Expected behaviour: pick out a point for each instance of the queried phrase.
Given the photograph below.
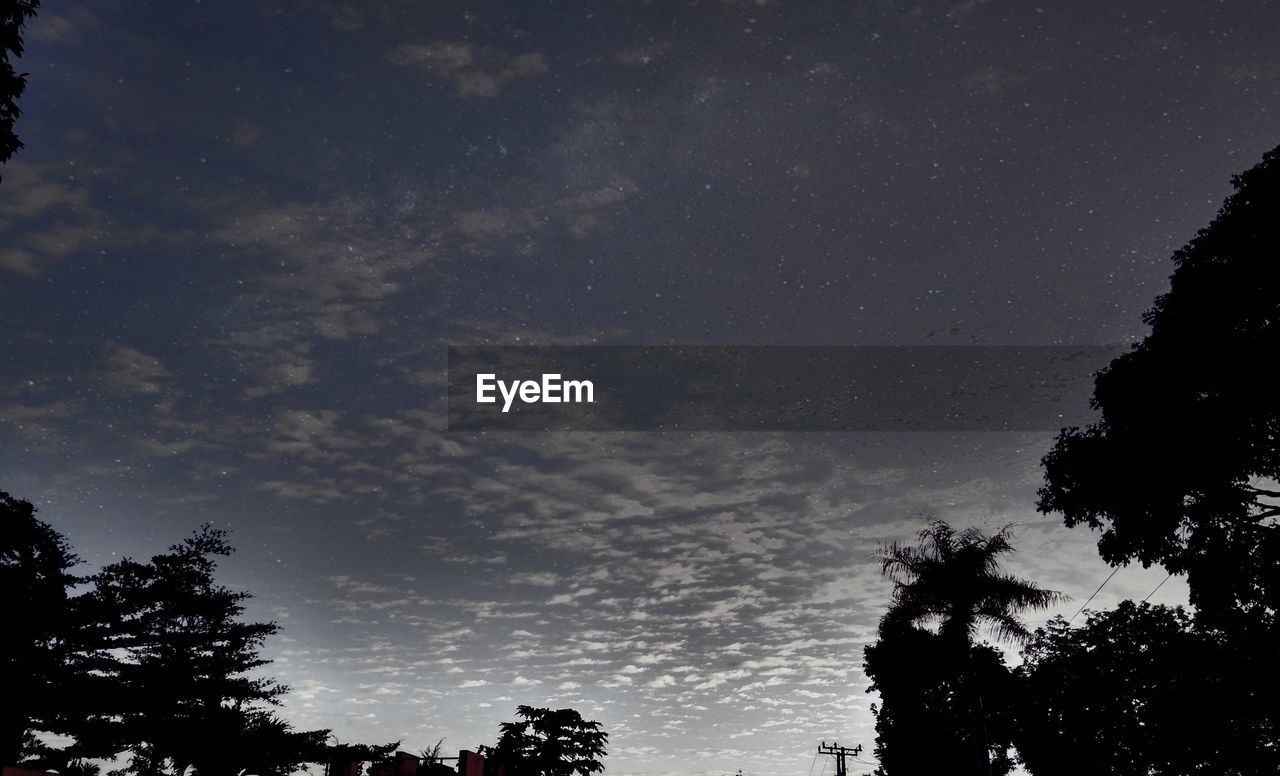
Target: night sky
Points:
(241, 236)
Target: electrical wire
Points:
(813, 763)
(1095, 593)
(1153, 592)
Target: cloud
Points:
(474, 70)
(129, 370)
(535, 578)
(35, 421)
(991, 80)
(46, 216)
(310, 689)
(332, 268)
(162, 449)
(573, 597)
(311, 434)
(319, 491)
(291, 370)
(63, 29)
(642, 55)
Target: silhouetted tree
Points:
(955, 580)
(42, 757)
(35, 609)
(187, 698)
(1138, 691)
(153, 661)
(260, 743)
(13, 17)
(427, 763)
(345, 759)
(923, 725)
(431, 764)
(551, 743)
(1181, 469)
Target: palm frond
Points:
(957, 578)
(1006, 627)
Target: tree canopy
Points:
(35, 653)
(954, 579)
(13, 18)
(150, 660)
(188, 661)
(1139, 691)
(1182, 468)
(921, 682)
(546, 742)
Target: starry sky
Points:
(242, 236)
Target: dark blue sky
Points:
(241, 235)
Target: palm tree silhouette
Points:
(955, 580)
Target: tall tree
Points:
(551, 743)
(921, 683)
(1182, 468)
(188, 697)
(955, 580)
(13, 18)
(35, 609)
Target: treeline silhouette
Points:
(151, 663)
(1182, 470)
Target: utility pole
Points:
(839, 752)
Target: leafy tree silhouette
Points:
(48, 758)
(186, 698)
(343, 759)
(922, 698)
(428, 762)
(955, 579)
(36, 660)
(1136, 691)
(233, 741)
(153, 660)
(1181, 469)
(13, 17)
(551, 743)
(432, 763)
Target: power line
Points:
(1099, 590)
(840, 753)
(813, 763)
(1153, 592)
